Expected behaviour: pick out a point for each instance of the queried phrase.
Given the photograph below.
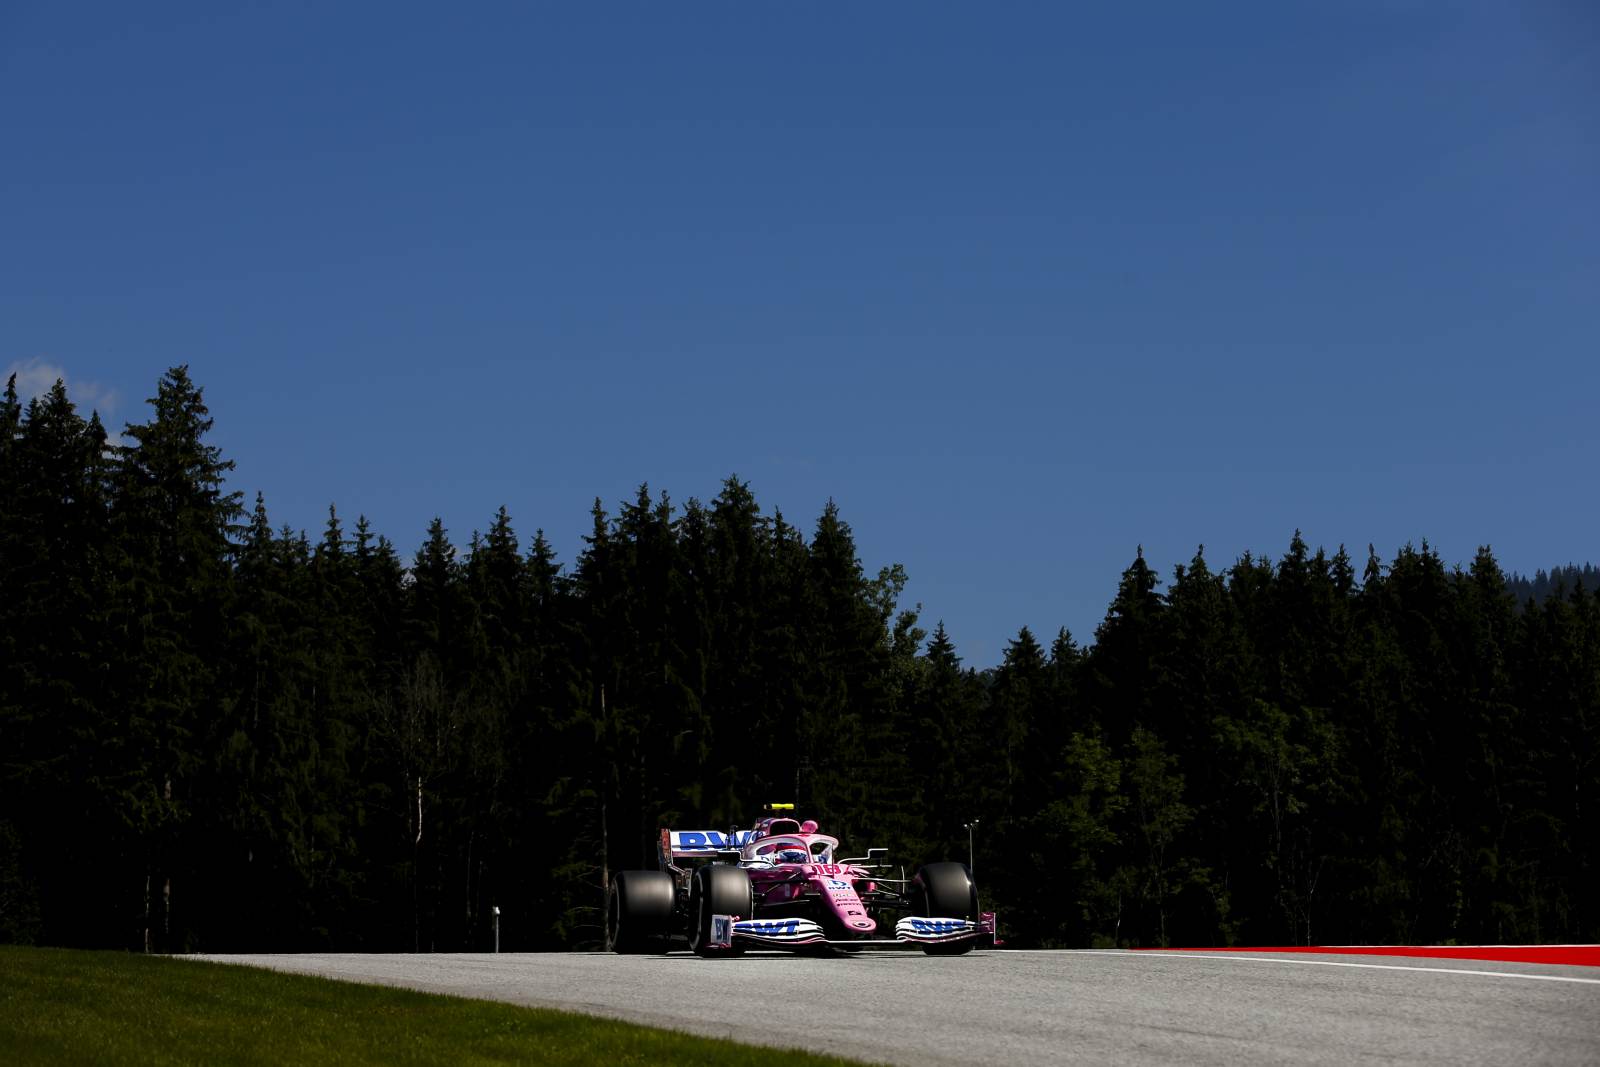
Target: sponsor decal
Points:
(919, 928)
(800, 930)
(721, 931)
(707, 840)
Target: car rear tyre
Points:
(948, 893)
(639, 911)
(717, 889)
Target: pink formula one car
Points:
(780, 885)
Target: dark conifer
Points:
(1121, 667)
(55, 575)
(172, 521)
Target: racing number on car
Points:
(828, 868)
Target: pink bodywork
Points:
(776, 880)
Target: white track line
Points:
(1367, 966)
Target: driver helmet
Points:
(791, 852)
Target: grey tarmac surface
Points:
(1046, 1007)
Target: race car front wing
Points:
(912, 931)
(927, 931)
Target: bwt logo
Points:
(771, 927)
(710, 840)
(938, 926)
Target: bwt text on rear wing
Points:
(701, 844)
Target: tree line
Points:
(1558, 581)
(217, 734)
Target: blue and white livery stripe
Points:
(934, 930)
(779, 931)
(691, 842)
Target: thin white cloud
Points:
(35, 377)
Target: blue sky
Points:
(1021, 286)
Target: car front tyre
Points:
(948, 893)
(717, 889)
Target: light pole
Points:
(972, 859)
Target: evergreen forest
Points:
(1557, 582)
(220, 735)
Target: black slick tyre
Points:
(948, 893)
(717, 889)
(639, 911)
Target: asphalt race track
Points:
(1047, 1007)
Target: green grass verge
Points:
(61, 1006)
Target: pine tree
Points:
(1120, 670)
(11, 516)
(172, 522)
(781, 665)
(1066, 660)
(258, 760)
(1559, 682)
(744, 757)
(494, 582)
(19, 890)
(489, 654)
(435, 621)
(54, 632)
(948, 748)
(421, 726)
(658, 703)
(593, 787)
(1377, 888)
(1022, 778)
(339, 683)
(554, 737)
(380, 581)
(1020, 701)
(1483, 633)
(1427, 726)
(848, 696)
(1207, 676)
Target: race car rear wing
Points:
(702, 844)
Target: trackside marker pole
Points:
(497, 928)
